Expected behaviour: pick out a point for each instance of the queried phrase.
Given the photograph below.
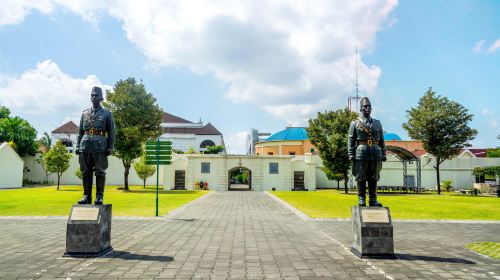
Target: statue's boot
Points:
(361, 193)
(99, 186)
(372, 191)
(87, 190)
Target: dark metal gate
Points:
(180, 180)
(298, 180)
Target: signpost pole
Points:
(157, 171)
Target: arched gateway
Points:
(239, 179)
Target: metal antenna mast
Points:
(356, 85)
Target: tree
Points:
(328, 132)
(57, 160)
(41, 160)
(143, 170)
(19, 132)
(493, 153)
(46, 141)
(216, 149)
(137, 119)
(442, 125)
(4, 112)
(78, 173)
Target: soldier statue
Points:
(367, 151)
(95, 142)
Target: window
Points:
(205, 167)
(270, 153)
(273, 168)
(206, 143)
(291, 153)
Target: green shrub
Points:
(447, 185)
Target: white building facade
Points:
(186, 135)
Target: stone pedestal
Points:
(88, 232)
(372, 232)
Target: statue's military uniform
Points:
(95, 142)
(366, 148)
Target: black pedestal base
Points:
(373, 256)
(87, 255)
(88, 231)
(372, 232)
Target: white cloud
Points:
(494, 124)
(236, 142)
(46, 91)
(495, 46)
(14, 11)
(292, 58)
(486, 112)
(478, 46)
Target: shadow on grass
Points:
(409, 257)
(131, 256)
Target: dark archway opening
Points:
(239, 179)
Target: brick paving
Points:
(242, 235)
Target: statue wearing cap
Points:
(366, 148)
(95, 142)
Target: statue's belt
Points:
(368, 142)
(95, 132)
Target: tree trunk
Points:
(58, 180)
(144, 183)
(338, 185)
(346, 178)
(438, 178)
(125, 174)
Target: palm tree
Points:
(46, 141)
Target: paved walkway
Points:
(242, 235)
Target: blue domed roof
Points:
(290, 133)
(391, 136)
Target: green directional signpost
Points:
(158, 153)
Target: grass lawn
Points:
(47, 201)
(490, 249)
(336, 204)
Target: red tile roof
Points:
(477, 152)
(169, 118)
(67, 128)
(208, 129)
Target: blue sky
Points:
(244, 64)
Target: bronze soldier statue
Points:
(95, 142)
(367, 151)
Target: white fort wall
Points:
(458, 170)
(114, 173)
(218, 178)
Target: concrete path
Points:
(239, 235)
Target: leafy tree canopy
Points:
(4, 112)
(493, 153)
(328, 132)
(216, 149)
(143, 170)
(137, 119)
(442, 125)
(57, 160)
(19, 132)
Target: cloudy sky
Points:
(252, 64)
